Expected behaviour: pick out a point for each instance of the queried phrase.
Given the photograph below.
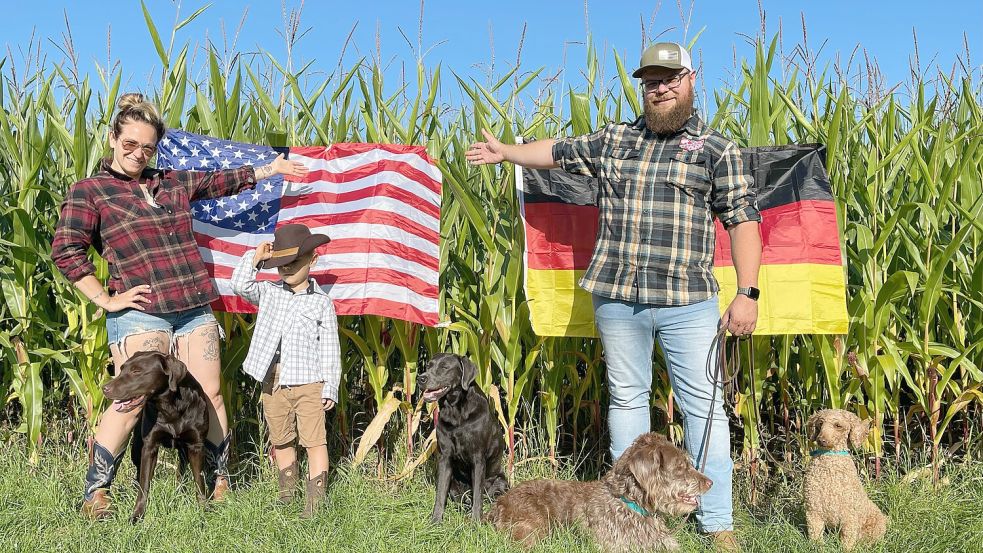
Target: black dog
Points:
(468, 435)
(175, 415)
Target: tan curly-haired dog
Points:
(834, 494)
(621, 510)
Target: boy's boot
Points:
(315, 494)
(287, 483)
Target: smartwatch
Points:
(750, 292)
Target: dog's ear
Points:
(859, 430)
(814, 425)
(645, 458)
(175, 370)
(468, 371)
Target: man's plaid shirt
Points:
(657, 197)
(143, 243)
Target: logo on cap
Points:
(668, 55)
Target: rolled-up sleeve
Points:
(734, 200)
(203, 185)
(78, 222)
(580, 155)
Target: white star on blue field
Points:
(249, 211)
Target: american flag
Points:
(379, 204)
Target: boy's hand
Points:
(263, 252)
(327, 404)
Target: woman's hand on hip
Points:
(132, 298)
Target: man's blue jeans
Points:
(628, 331)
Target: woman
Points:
(139, 219)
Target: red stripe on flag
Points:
(363, 171)
(798, 232)
(380, 190)
(559, 236)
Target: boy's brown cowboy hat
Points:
(292, 241)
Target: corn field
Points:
(906, 170)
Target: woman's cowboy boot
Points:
(102, 471)
(287, 483)
(315, 494)
(217, 457)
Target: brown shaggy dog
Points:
(834, 494)
(621, 510)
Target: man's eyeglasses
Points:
(130, 145)
(672, 82)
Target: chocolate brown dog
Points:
(469, 437)
(175, 415)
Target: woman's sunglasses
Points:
(130, 145)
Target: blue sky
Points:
(469, 37)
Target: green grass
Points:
(38, 512)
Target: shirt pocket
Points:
(622, 163)
(688, 172)
(307, 327)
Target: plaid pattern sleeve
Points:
(203, 185)
(330, 353)
(733, 195)
(77, 224)
(244, 283)
(580, 155)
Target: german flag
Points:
(802, 276)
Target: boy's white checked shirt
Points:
(303, 326)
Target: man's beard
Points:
(673, 120)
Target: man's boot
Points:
(725, 541)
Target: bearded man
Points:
(662, 179)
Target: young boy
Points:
(294, 352)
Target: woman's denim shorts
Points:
(125, 323)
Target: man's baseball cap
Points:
(664, 54)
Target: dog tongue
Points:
(123, 406)
(431, 395)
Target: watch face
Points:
(750, 292)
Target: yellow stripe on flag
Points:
(557, 305)
(801, 298)
(795, 299)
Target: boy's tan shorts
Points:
(292, 412)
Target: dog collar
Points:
(821, 452)
(635, 507)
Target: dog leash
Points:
(718, 377)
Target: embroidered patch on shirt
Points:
(691, 145)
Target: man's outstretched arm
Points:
(535, 155)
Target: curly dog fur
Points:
(834, 494)
(653, 474)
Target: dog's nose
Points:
(105, 389)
